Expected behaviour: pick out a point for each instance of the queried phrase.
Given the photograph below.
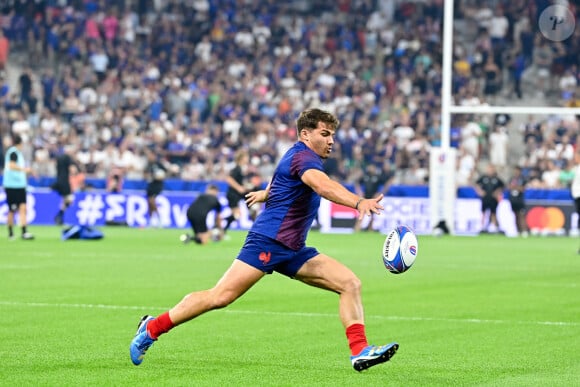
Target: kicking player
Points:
(277, 242)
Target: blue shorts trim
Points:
(269, 255)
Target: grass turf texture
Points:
(472, 311)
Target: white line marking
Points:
(552, 284)
(25, 267)
(296, 314)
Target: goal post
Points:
(442, 190)
(442, 182)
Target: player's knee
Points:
(352, 285)
(221, 299)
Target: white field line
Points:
(292, 314)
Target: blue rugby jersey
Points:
(292, 205)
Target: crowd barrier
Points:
(548, 211)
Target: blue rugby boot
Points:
(142, 341)
(373, 355)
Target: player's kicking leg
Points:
(325, 272)
(373, 355)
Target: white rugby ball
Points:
(400, 249)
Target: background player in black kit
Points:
(155, 172)
(489, 187)
(236, 187)
(368, 187)
(516, 186)
(65, 164)
(197, 216)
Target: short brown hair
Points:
(310, 118)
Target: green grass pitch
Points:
(486, 311)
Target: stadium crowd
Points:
(188, 83)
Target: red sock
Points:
(357, 339)
(159, 326)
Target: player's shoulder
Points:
(303, 151)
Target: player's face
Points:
(321, 139)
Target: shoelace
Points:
(375, 349)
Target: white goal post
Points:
(442, 188)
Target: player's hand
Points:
(370, 206)
(256, 197)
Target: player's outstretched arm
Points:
(257, 196)
(332, 190)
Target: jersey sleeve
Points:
(304, 161)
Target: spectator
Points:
(159, 61)
(466, 165)
(99, 61)
(492, 74)
(110, 25)
(568, 84)
(543, 59)
(4, 50)
(517, 65)
(115, 180)
(498, 148)
(25, 81)
(498, 28)
(551, 175)
(566, 174)
(470, 134)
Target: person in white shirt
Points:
(498, 148)
(498, 28)
(470, 134)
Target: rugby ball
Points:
(400, 250)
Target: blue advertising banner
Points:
(99, 207)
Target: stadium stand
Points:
(194, 81)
